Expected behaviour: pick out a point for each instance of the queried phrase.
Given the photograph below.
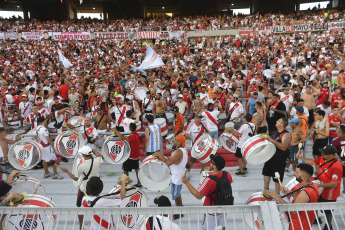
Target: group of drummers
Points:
(175, 115)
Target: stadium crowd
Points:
(260, 83)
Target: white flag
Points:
(81, 2)
(64, 60)
(152, 60)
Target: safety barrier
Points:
(269, 216)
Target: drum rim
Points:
(155, 160)
(40, 197)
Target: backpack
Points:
(223, 193)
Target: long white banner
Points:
(60, 36)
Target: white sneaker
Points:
(188, 175)
(57, 177)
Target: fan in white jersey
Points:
(94, 188)
(195, 130)
(128, 120)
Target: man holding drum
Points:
(235, 111)
(281, 139)
(177, 163)
(212, 120)
(330, 174)
(309, 193)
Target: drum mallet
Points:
(187, 168)
(300, 145)
(278, 178)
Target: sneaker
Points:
(241, 174)
(64, 159)
(188, 175)
(138, 186)
(328, 228)
(244, 170)
(57, 177)
(46, 175)
(177, 216)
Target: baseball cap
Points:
(198, 115)
(299, 109)
(40, 119)
(294, 120)
(181, 139)
(4, 188)
(328, 149)
(175, 109)
(24, 95)
(162, 201)
(235, 95)
(197, 95)
(218, 161)
(180, 96)
(94, 186)
(86, 150)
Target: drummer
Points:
(246, 131)
(120, 112)
(133, 161)
(89, 132)
(62, 116)
(159, 107)
(194, 131)
(147, 105)
(134, 107)
(212, 119)
(235, 111)
(177, 163)
(308, 194)
(48, 154)
(6, 196)
(102, 121)
(25, 106)
(153, 136)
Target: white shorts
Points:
(48, 154)
(213, 221)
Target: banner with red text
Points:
(61, 36)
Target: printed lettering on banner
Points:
(200, 32)
(278, 29)
(336, 25)
(111, 35)
(71, 36)
(2, 36)
(11, 35)
(29, 36)
(245, 32)
(148, 34)
(301, 27)
(318, 26)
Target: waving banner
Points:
(152, 60)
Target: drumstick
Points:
(187, 168)
(278, 177)
(300, 145)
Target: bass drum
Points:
(140, 93)
(115, 151)
(29, 185)
(68, 143)
(25, 155)
(135, 198)
(257, 150)
(26, 219)
(78, 160)
(229, 142)
(204, 147)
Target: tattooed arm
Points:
(286, 139)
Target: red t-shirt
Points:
(63, 90)
(323, 96)
(333, 173)
(339, 143)
(134, 142)
(333, 119)
(335, 100)
(208, 188)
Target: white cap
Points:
(180, 95)
(86, 150)
(24, 95)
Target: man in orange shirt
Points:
(179, 122)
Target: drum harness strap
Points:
(110, 194)
(304, 186)
(97, 124)
(232, 109)
(332, 162)
(88, 174)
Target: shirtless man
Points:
(159, 107)
(309, 101)
(321, 134)
(261, 123)
(297, 137)
(11, 118)
(102, 121)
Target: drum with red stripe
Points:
(293, 185)
(135, 198)
(170, 118)
(25, 155)
(257, 150)
(221, 121)
(78, 160)
(68, 143)
(115, 151)
(229, 142)
(29, 220)
(51, 127)
(145, 122)
(29, 185)
(162, 123)
(204, 147)
(154, 174)
(252, 219)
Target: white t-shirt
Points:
(42, 133)
(84, 168)
(107, 201)
(182, 106)
(286, 99)
(244, 132)
(294, 115)
(205, 98)
(268, 73)
(237, 110)
(328, 111)
(25, 107)
(195, 130)
(211, 126)
(166, 223)
(126, 123)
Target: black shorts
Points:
(321, 199)
(120, 129)
(262, 130)
(343, 171)
(319, 144)
(80, 198)
(130, 164)
(311, 116)
(272, 166)
(238, 153)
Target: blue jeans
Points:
(175, 190)
(214, 134)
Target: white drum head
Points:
(131, 84)
(170, 138)
(257, 150)
(77, 121)
(115, 151)
(78, 160)
(229, 142)
(140, 93)
(68, 143)
(135, 198)
(154, 174)
(25, 155)
(29, 185)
